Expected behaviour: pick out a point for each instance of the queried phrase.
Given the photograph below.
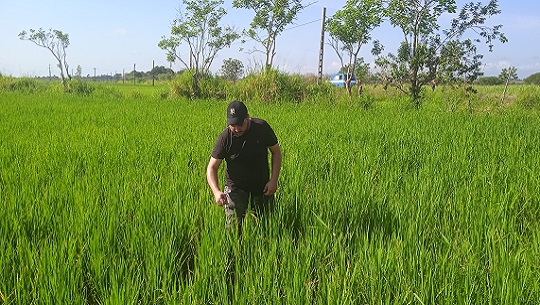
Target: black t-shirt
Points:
(246, 156)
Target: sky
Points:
(111, 36)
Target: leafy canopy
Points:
(350, 28)
(198, 30)
(53, 40)
(427, 52)
(270, 20)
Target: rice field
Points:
(104, 200)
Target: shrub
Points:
(213, 87)
(533, 79)
(490, 81)
(182, 85)
(209, 87)
(79, 87)
(18, 84)
(274, 86)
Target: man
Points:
(244, 145)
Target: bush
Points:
(79, 87)
(26, 85)
(210, 87)
(267, 86)
(490, 81)
(533, 79)
(213, 87)
(182, 85)
(274, 86)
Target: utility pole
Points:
(133, 74)
(153, 67)
(321, 50)
(50, 76)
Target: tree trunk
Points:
(62, 77)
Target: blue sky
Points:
(111, 36)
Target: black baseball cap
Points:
(236, 113)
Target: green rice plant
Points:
(529, 97)
(104, 200)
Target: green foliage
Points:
(79, 87)
(529, 98)
(458, 62)
(271, 18)
(232, 69)
(351, 26)
(273, 86)
(428, 52)
(367, 101)
(104, 202)
(459, 98)
(25, 85)
(182, 85)
(349, 29)
(490, 81)
(361, 70)
(213, 87)
(53, 40)
(209, 87)
(509, 74)
(199, 29)
(533, 79)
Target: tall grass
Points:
(104, 201)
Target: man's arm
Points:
(212, 178)
(271, 186)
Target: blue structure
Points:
(338, 79)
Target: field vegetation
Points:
(104, 198)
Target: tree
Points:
(161, 73)
(157, 70)
(533, 79)
(232, 69)
(199, 29)
(78, 74)
(350, 28)
(56, 42)
(509, 74)
(271, 18)
(361, 69)
(427, 52)
(490, 81)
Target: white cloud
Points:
(523, 69)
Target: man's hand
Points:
(211, 175)
(270, 188)
(220, 198)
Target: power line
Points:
(285, 30)
(300, 25)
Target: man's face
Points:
(239, 130)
